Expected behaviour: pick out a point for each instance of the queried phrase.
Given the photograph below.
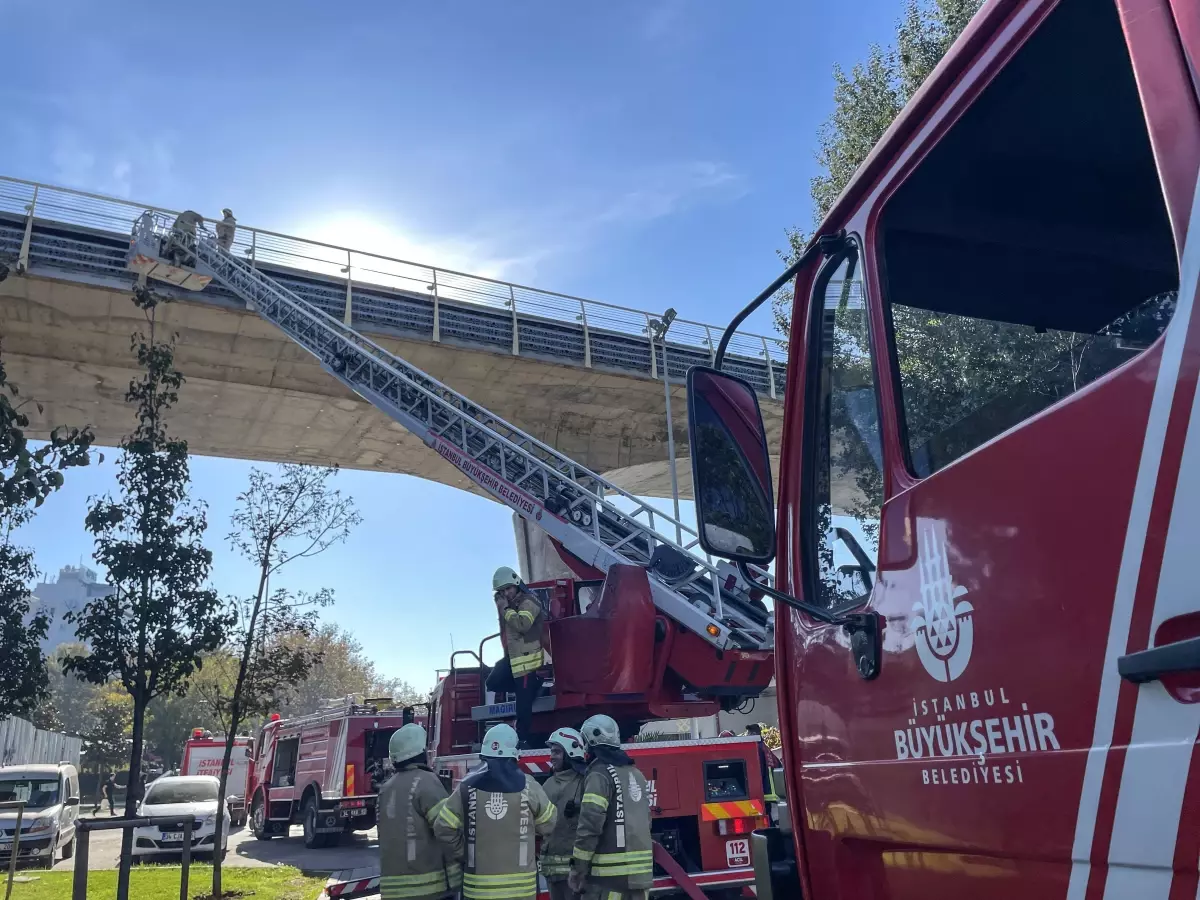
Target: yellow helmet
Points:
(505, 577)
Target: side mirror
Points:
(731, 468)
(71, 801)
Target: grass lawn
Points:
(162, 883)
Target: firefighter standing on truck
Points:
(522, 621)
(492, 820)
(613, 857)
(565, 790)
(414, 865)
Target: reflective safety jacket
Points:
(565, 790)
(492, 833)
(613, 846)
(413, 864)
(523, 623)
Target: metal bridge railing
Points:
(589, 330)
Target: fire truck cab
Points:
(988, 628)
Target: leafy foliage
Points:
(28, 475)
(106, 742)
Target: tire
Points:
(312, 839)
(68, 849)
(259, 825)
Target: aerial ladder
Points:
(725, 632)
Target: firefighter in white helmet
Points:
(491, 820)
(226, 229)
(522, 622)
(613, 857)
(414, 865)
(565, 790)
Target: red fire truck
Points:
(323, 771)
(204, 755)
(988, 625)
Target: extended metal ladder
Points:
(568, 501)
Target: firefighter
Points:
(491, 820)
(613, 857)
(414, 865)
(522, 620)
(226, 229)
(184, 229)
(565, 790)
(767, 761)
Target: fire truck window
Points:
(725, 780)
(284, 772)
(1017, 271)
(848, 488)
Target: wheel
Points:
(68, 849)
(259, 825)
(312, 839)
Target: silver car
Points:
(51, 795)
(181, 795)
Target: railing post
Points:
(187, 857)
(650, 338)
(253, 248)
(23, 255)
(512, 301)
(437, 312)
(349, 288)
(83, 842)
(770, 370)
(587, 339)
(16, 847)
(712, 348)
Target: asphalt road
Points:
(354, 850)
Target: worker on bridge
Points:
(414, 865)
(522, 622)
(226, 229)
(613, 857)
(490, 823)
(565, 790)
(184, 237)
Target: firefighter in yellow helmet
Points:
(522, 622)
(565, 790)
(413, 864)
(491, 820)
(613, 857)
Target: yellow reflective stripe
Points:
(770, 798)
(596, 800)
(547, 814)
(509, 615)
(519, 665)
(447, 815)
(527, 614)
(628, 869)
(622, 856)
(474, 878)
(502, 893)
(438, 877)
(432, 815)
(580, 853)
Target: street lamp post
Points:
(659, 330)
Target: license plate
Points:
(356, 812)
(5, 845)
(172, 835)
(737, 852)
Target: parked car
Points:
(180, 795)
(51, 795)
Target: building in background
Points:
(76, 585)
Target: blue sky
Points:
(648, 153)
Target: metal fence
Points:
(22, 744)
(56, 229)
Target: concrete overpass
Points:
(579, 375)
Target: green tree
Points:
(171, 718)
(866, 100)
(28, 475)
(280, 518)
(71, 698)
(152, 630)
(106, 743)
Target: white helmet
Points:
(407, 742)
(570, 740)
(601, 730)
(500, 742)
(505, 577)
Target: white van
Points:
(51, 795)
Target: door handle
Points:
(1152, 664)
